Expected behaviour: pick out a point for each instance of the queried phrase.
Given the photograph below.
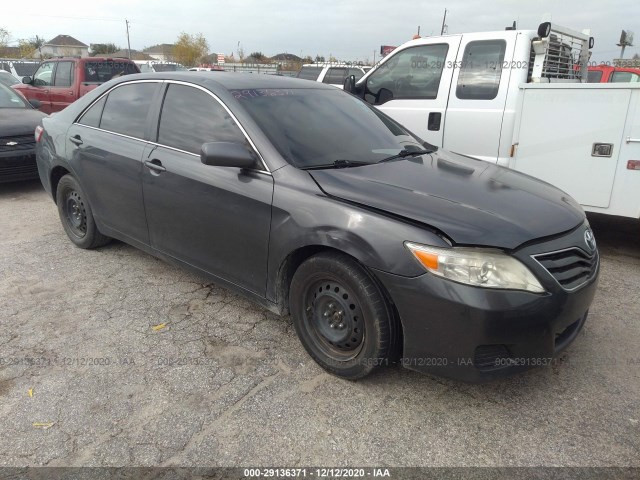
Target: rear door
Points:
(412, 86)
(61, 92)
(214, 218)
(478, 95)
(106, 146)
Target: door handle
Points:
(76, 140)
(632, 140)
(70, 93)
(155, 165)
(433, 123)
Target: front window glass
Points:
(624, 77)
(42, 77)
(311, 127)
(411, 73)
(191, 117)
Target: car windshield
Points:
(312, 127)
(8, 79)
(10, 99)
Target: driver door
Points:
(412, 86)
(40, 87)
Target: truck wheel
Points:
(341, 316)
(76, 216)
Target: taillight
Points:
(38, 133)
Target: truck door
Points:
(62, 92)
(478, 95)
(412, 86)
(40, 84)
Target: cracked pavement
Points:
(112, 357)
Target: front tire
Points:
(76, 215)
(341, 316)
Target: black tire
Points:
(76, 215)
(342, 317)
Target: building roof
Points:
(163, 49)
(66, 41)
(10, 52)
(135, 55)
(289, 57)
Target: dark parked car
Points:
(18, 121)
(310, 202)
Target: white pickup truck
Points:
(519, 98)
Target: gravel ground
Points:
(112, 357)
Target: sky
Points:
(348, 30)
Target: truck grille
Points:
(17, 143)
(571, 268)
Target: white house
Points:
(65, 46)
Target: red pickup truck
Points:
(607, 74)
(61, 81)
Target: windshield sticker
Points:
(260, 92)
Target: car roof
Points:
(230, 80)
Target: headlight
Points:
(477, 267)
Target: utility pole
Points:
(444, 19)
(128, 42)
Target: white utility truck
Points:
(518, 98)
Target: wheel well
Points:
(297, 257)
(56, 174)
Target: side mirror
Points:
(27, 80)
(227, 154)
(384, 95)
(349, 84)
(35, 103)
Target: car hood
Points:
(19, 121)
(471, 201)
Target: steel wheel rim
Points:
(75, 213)
(334, 318)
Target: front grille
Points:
(23, 142)
(17, 168)
(571, 268)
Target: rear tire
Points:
(341, 316)
(76, 215)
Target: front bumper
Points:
(476, 334)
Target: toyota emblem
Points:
(590, 240)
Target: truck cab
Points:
(460, 92)
(609, 74)
(59, 82)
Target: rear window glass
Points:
(104, 71)
(481, 69)
(168, 67)
(309, 73)
(127, 108)
(594, 76)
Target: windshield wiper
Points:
(337, 164)
(406, 153)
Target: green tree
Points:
(31, 47)
(4, 39)
(258, 55)
(189, 49)
(103, 48)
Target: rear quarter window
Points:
(481, 69)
